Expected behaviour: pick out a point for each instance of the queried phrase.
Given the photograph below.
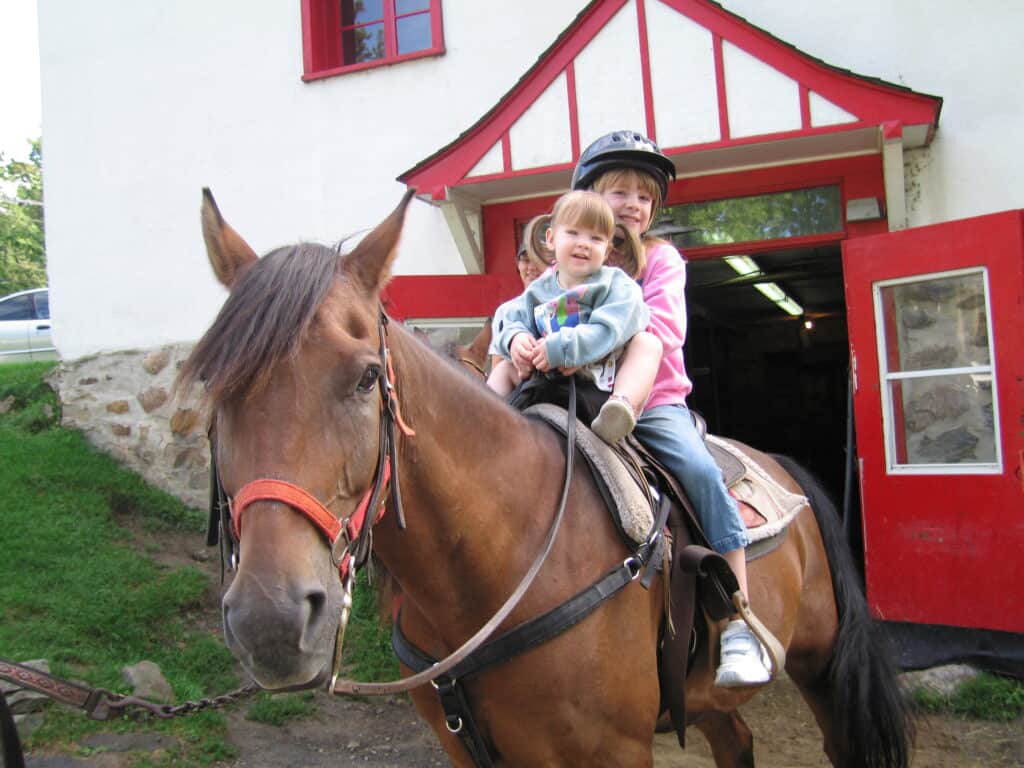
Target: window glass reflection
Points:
(944, 420)
(413, 33)
(408, 6)
(361, 11)
(937, 323)
(795, 213)
(363, 43)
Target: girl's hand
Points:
(540, 358)
(522, 349)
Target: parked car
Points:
(25, 327)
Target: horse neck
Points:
(465, 501)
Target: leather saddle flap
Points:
(631, 508)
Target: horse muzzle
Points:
(280, 629)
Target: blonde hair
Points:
(620, 177)
(534, 244)
(584, 209)
(630, 256)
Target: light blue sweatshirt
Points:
(582, 326)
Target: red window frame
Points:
(322, 54)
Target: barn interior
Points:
(771, 373)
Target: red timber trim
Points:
(805, 107)
(307, 38)
(574, 115)
(427, 296)
(872, 101)
(891, 388)
(723, 102)
(449, 165)
(645, 68)
(506, 154)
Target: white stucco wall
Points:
(967, 53)
(145, 103)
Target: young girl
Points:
(632, 175)
(578, 316)
(533, 256)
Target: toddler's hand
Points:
(521, 349)
(540, 357)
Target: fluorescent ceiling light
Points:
(742, 265)
(789, 306)
(771, 290)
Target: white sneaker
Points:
(744, 660)
(615, 421)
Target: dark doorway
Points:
(775, 380)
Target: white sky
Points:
(20, 114)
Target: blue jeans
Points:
(667, 431)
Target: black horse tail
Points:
(872, 719)
(10, 746)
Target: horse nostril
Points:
(317, 599)
(315, 605)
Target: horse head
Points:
(291, 369)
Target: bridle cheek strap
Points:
(267, 489)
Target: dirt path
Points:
(388, 733)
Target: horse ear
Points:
(370, 262)
(229, 254)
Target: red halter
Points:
(267, 489)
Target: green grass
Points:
(279, 709)
(367, 654)
(74, 591)
(71, 589)
(985, 697)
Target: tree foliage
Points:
(760, 217)
(22, 245)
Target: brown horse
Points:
(291, 368)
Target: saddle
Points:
(698, 580)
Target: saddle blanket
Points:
(774, 507)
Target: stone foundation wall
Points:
(122, 402)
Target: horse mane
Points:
(262, 322)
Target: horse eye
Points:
(369, 379)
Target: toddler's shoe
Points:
(615, 421)
(744, 660)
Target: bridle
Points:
(468, 361)
(351, 540)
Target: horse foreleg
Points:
(731, 742)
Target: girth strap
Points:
(458, 719)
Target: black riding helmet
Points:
(623, 149)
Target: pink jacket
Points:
(664, 283)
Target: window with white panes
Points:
(939, 402)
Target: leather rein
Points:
(351, 539)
